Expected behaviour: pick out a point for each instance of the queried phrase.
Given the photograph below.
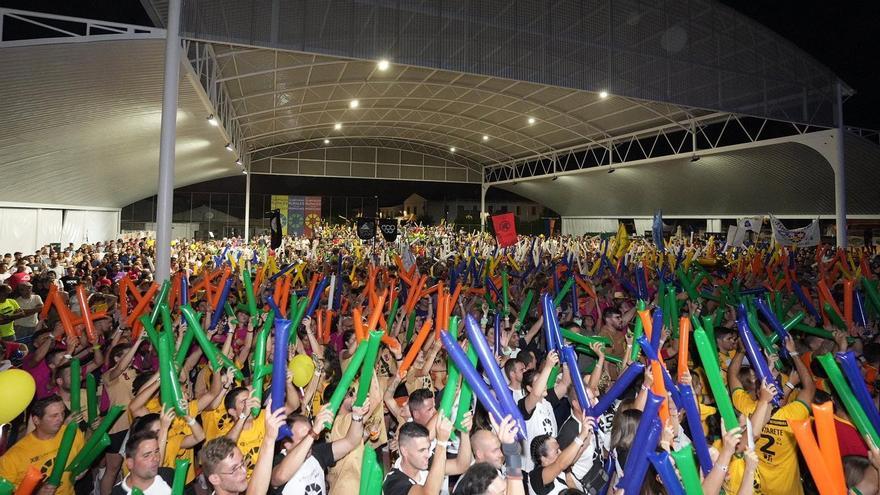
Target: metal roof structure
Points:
(478, 91)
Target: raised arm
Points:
(539, 384)
(260, 478)
(568, 456)
(294, 459)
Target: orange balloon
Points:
(815, 461)
(32, 478)
(416, 347)
(828, 444)
(684, 335)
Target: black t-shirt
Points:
(167, 475)
(397, 483)
(70, 283)
(536, 482)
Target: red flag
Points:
(505, 229)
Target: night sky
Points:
(841, 35)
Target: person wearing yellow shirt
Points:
(776, 447)
(40, 447)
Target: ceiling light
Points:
(485, 137)
(212, 120)
(695, 158)
(337, 126)
(555, 178)
(452, 149)
(611, 170)
(238, 162)
(229, 146)
(383, 65)
(354, 104)
(243, 171)
(603, 94)
(326, 141)
(531, 120)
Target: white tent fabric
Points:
(28, 229)
(643, 225)
(48, 228)
(82, 226)
(578, 226)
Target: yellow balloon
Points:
(18, 390)
(303, 368)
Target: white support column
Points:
(840, 170)
(483, 215)
(167, 140)
(247, 203)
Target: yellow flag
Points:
(621, 241)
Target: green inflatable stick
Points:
(169, 384)
(261, 369)
(354, 366)
(856, 413)
(465, 397)
(77, 465)
(687, 468)
(389, 322)
(91, 398)
(524, 309)
(504, 292)
(181, 468)
(64, 448)
(586, 340)
(451, 381)
(89, 458)
(638, 331)
(369, 363)
(6, 487)
(162, 298)
(195, 326)
(249, 293)
(75, 386)
(586, 350)
(835, 318)
(713, 374)
(563, 292)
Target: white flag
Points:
(750, 223)
(735, 237)
(804, 237)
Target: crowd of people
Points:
(337, 365)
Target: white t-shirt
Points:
(29, 321)
(159, 487)
(541, 422)
(308, 480)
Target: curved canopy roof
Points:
(81, 125)
(784, 179)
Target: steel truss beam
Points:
(692, 137)
(69, 29)
(204, 69)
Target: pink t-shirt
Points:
(42, 376)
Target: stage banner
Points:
(388, 228)
(279, 202)
(312, 214)
(505, 229)
(808, 236)
(296, 209)
(366, 228)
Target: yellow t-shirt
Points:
(178, 431)
(218, 423)
(735, 471)
(776, 446)
(8, 307)
(30, 450)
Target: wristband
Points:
(190, 421)
(793, 353)
(512, 457)
(789, 385)
(443, 444)
(357, 419)
(578, 441)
